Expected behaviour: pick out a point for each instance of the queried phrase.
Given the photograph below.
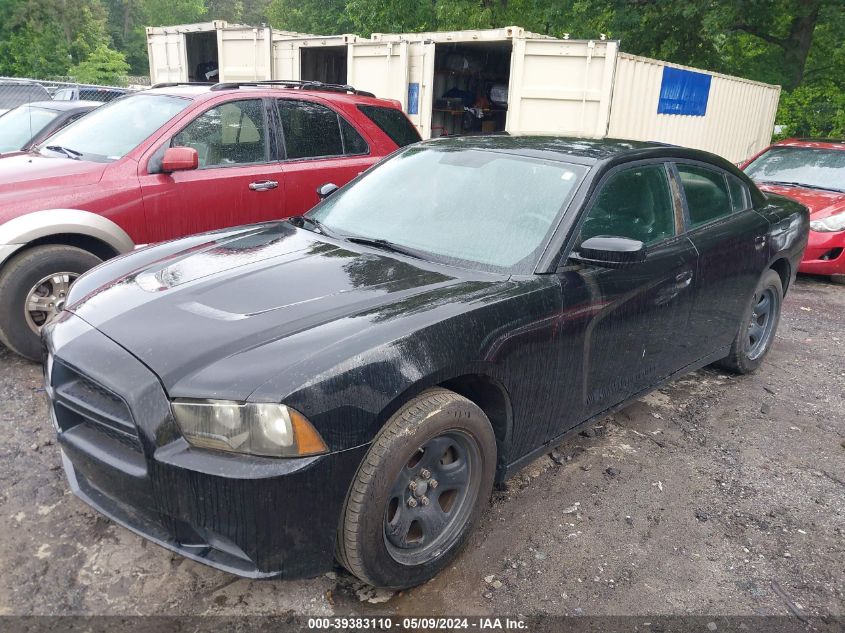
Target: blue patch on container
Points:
(683, 92)
(413, 98)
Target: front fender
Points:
(20, 231)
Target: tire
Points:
(21, 274)
(457, 438)
(746, 353)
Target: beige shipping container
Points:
(186, 52)
(738, 121)
(492, 81)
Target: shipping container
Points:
(491, 81)
(213, 51)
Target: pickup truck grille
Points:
(79, 400)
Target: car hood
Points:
(821, 203)
(33, 171)
(236, 291)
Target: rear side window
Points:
(393, 123)
(706, 192)
(313, 131)
(739, 194)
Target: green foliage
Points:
(102, 66)
(322, 17)
(795, 43)
(816, 110)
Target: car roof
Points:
(585, 151)
(812, 143)
(201, 92)
(63, 106)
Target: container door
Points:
(561, 86)
(168, 60)
(380, 68)
(245, 54)
(286, 59)
(421, 96)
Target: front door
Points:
(624, 324)
(239, 179)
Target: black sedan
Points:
(351, 383)
(29, 124)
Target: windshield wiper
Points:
(387, 245)
(300, 220)
(788, 183)
(70, 153)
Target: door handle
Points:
(264, 185)
(683, 279)
(760, 241)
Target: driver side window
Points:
(635, 203)
(229, 134)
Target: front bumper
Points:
(123, 455)
(825, 254)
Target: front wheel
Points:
(758, 327)
(418, 492)
(33, 289)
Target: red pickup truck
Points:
(171, 161)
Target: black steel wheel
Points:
(418, 492)
(757, 331)
(432, 498)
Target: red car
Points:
(171, 161)
(813, 173)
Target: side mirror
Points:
(610, 252)
(179, 159)
(324, 191)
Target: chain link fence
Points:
(17, 91)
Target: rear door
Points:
(628, 319)
(239, 179)
(321, 146)
(730, 237)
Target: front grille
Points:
(79, 400)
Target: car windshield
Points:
(113, 130)
(816, 168)
(18, 126)
(474, 208)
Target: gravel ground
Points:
(714, 495)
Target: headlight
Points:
(830, 224)
(272, 430)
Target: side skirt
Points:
(504, 473)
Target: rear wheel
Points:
(757, 330)
(418, 492)
(33, 289)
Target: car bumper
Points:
(123, 455)
(825, 254)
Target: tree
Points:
(102, 66)
(321, 17)
(169, 12)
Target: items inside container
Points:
(201, 51)
(471, 82)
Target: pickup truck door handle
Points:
(264, 185)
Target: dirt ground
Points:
(714, 495)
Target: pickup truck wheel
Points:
(33, 289)
(757, 330)
(418, 492)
